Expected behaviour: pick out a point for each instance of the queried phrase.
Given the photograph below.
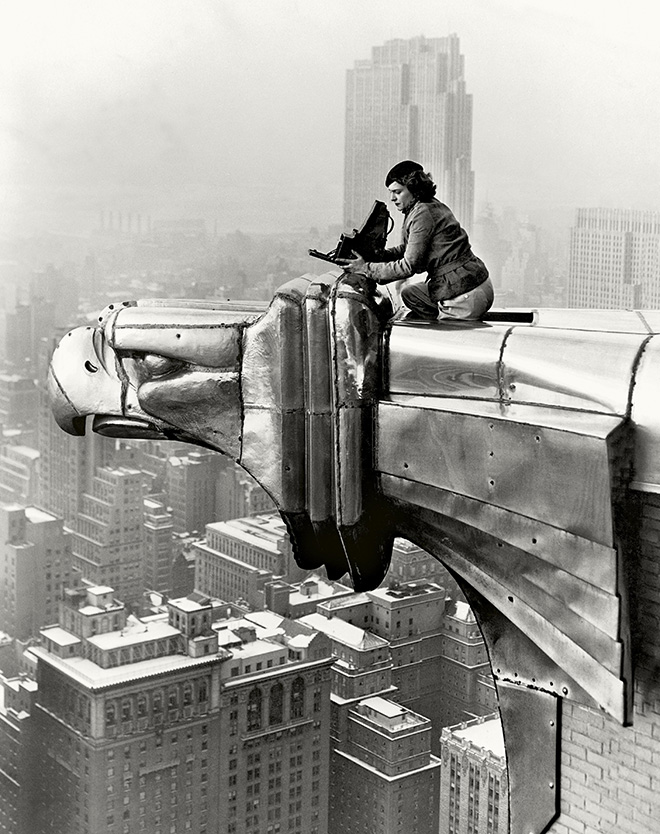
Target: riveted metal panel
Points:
(458, 553)
(274, 398)
(319, 417)
(530, 722)
(579, 370)
(555, 475)
(443, 362)
(645, 416)
(585, 559)
(201, 337)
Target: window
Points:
(276, 704)
(254, 709)
(298, 698)
(202, 692)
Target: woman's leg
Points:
(417, 300)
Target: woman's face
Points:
(401, 197)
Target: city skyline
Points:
(166, 108)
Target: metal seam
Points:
(633, 375)
(500, 367)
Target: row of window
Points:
(155, 702)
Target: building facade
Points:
(237, 558)
(615, 259)
(18, 769)
(108, 537)
(384, 778)
(409, 101)
(35, 567)
(179, 722)
(474, 785)
(192, 488)
(158, 546)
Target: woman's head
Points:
(411, 175)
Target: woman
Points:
(457, 284)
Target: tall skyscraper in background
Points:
(615, 259)
(409, 102)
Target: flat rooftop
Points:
(486, 735)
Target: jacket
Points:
(433, 241)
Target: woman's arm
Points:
(408, 259)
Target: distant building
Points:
(474, 793)
(35, 567)
(19, 401)
(382, 769)
(239, 495)
(464, 662)
(67, 464)
(185, 721)
(183, 564)
(18, 769)
(19, 474)
(410, 618)
(411, 564)
(158, 546)
(296, 600)
(614, 259)
(192, 488)
(384, 777)
(409, 101)
(108, 538)
(237, 558)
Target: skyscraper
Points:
(409, 102)
(614, 260)
(182, 722)
(474, 785)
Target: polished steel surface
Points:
(586, 560)
(531, 736)
(513, 459)
(443, 362)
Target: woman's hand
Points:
(355, 264)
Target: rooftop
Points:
(344, 632)
(133, 633)
(485, 734)
(37, 516)
(189, 605)
(60, 636)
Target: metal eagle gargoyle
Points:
(510, 449)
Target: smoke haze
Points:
(234, 110)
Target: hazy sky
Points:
(234, 109)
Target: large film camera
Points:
(368, 241)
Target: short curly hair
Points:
(420, 185)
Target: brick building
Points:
(474, 785)
(179, 722)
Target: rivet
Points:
(552, 723)
(512, 386)
(551, 785)
(565, 690)
(405, 465)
